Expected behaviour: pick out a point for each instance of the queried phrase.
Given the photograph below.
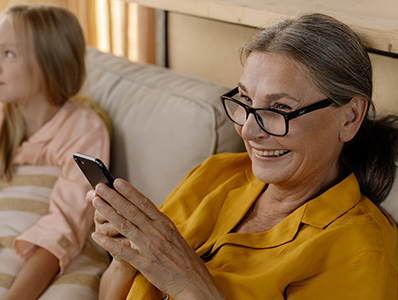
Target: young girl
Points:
(44, 218)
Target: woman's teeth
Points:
(272, 153)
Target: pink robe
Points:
(63, 226)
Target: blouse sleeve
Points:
(64, 229)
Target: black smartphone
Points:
(94, 169)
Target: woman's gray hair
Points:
(339, 65)
(333, 54)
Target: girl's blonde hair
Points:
(53, 37)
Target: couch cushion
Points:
(163, 123)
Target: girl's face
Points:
(18, 83)
(311, 148)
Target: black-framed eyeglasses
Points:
(272, 121)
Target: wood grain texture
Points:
(375, 21)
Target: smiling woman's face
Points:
(311, 149)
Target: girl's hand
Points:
(155, 247)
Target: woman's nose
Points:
(251, 129)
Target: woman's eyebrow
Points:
(271, 97)
(241, 86)
(278, 96)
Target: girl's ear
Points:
(354, 113)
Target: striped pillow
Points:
(22, 202)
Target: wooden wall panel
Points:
(210, 49)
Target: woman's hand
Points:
(117, 279)
(155, 247)
(102, 225)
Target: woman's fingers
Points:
(131, 221)
(90, 196)
(101, 223)
(129, 203)
(103, 226)
(151, 242)
(119, 247)
(138, 199)
(119, 222)
(99, 218)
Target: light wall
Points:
(210, 49)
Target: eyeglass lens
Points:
(270, 121)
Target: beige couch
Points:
(164, 123)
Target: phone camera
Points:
(79, 161)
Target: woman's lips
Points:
(270, 153)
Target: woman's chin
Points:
(271, 169)
(269, 176)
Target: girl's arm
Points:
(116, 281)
(34, 277)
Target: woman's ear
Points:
(353, 115)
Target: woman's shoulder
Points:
(366, 228)
(382, 226)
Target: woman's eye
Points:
(245, 99)
(281, 106)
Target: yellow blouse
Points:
(336, 246)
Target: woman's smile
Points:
(270, 153)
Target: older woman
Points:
(289, 219)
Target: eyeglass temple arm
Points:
(230, 93)
(307, 109)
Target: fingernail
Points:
(90, 194)
(96, 237)
(100, 188)
(98, 202)
(119, 184)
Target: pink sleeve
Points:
(64, 229)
